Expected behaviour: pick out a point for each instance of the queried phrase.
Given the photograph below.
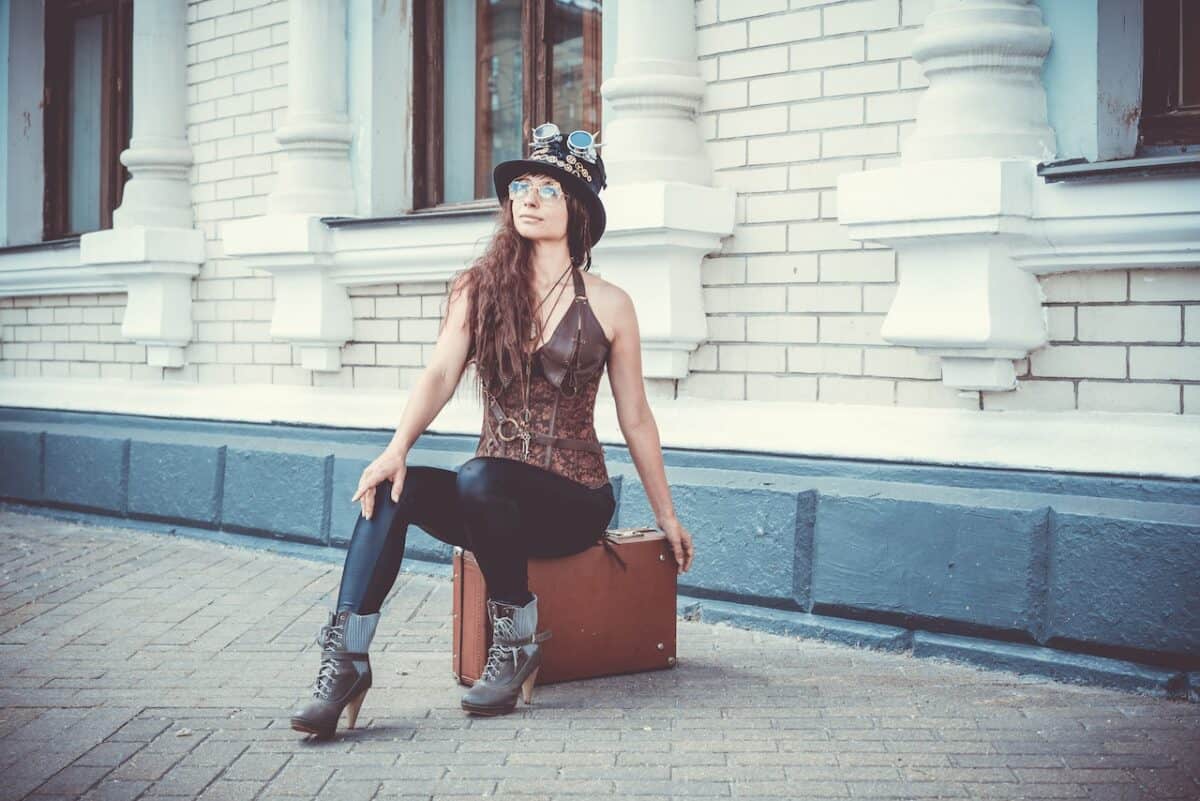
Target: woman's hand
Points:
(681, 544)
(388, 465)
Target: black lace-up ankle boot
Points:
(344, 676)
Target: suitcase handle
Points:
(631, 531)
(615, 534)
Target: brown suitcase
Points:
(611, 609)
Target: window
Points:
(87, 112)
(486, 72)
(1171, 78)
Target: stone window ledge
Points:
(50, 268)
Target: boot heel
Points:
(527, 685)
(352, 709)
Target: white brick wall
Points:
(68, 335)
(1118, 340)
(798, 93)
(801, 289)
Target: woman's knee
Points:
(386, 510)
(476, 480)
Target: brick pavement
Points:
(149, 666)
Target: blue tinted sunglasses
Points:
(549, 193)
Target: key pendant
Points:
(525, 439)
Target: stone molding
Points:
(973, 224)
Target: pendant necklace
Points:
(522, 431)
(534, 335)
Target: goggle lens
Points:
(545, 132)
(580, 140)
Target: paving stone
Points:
(73, 780)
(116, 790)
(190, 781)
(145, 765)
(222, 790)
(145, 666)
(349, 789)
(110, 753)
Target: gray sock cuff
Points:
(360, 630)
(525, 618)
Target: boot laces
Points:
(330, 638)
(502, 629)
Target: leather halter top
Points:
(578, 347)
(565, 377)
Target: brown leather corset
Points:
(565, 378)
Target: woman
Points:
(538, 485)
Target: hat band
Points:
(572, 164)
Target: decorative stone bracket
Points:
(961, 295)
(156, 267)
(658, 234)
(312, 311)
(962, 197)
(972, 223)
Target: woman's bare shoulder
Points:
(609, 302)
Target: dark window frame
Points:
(116, 90)
(428, 94)
(1165, 125)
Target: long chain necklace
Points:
(523, 430)
(533, 332)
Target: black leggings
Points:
(502, 510)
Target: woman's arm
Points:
(433, 389)
(427, 398)
(639, 426)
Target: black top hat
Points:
(580, 176)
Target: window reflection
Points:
(573, 28)
(84, 124)
(499, 81)
(485, 114)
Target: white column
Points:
(961, 199)
(664, 215)
(314, 180)
(983, 60)
(655, 92)
(315, 174)
(153, 246)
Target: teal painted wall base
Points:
(1081, 578)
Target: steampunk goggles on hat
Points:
(580, 152)
(579, 143)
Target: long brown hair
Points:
(502, 296)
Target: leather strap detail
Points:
(566, 442)
(612, 551)
(540, 636)
(546, 439)
(460, 569)
(553, 417)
